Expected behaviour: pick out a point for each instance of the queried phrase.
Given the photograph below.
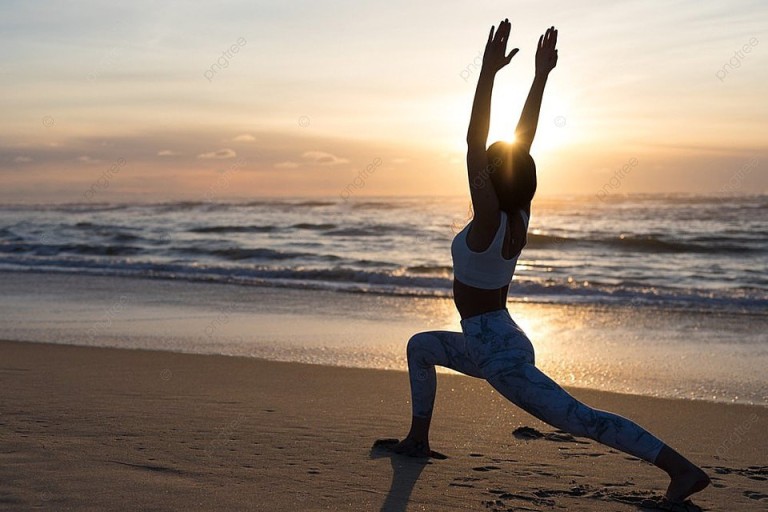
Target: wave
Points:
(71, 207)
(645, 243)
(653, 243)
(678, 198)
(9, 236)
(312, 204)
(82, 249)
(377, 230)
(430, 269)
(354, 232)
(179, 206)
(313, 227)
(234, 229)
(116, 233)
(239, 253)
(397, 282)
(122, 237)
(375, 205)
(538, 241)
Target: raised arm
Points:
(494, 59)
(546, 60)
(484, 198)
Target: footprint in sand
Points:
(582, 454)
(547, 496)
(459, 481)
(755, 495)
(557, 436)
(536, 499)
(752, 472)
(486, 468)
(626, 483)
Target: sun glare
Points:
(551, 131)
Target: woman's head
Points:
(513, 174)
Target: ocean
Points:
(699, 253)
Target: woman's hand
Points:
(546, 53)
(494, 57)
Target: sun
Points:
(553, 131)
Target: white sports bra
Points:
(487, 269)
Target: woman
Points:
(491, 346)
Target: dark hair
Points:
(513, 174)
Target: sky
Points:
(160, 101)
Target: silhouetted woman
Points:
(491, 346)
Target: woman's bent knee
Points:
(417, 342)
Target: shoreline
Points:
(625, 349)
(551, 299)
(212, 431)
(440, 371)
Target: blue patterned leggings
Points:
(493, 347)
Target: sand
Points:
(103, 429)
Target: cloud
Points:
(399, 160)
(220, 154)
(323, 158)
(167, 152)
(286, 165)
(246, 137)
(22, 159)
(87, 159)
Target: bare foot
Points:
(412, 448)
(686, 483)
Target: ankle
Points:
(673, 463)
(418, 438)
(420, 429)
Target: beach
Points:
(247, 356)
(104, 429)
(155, 394)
